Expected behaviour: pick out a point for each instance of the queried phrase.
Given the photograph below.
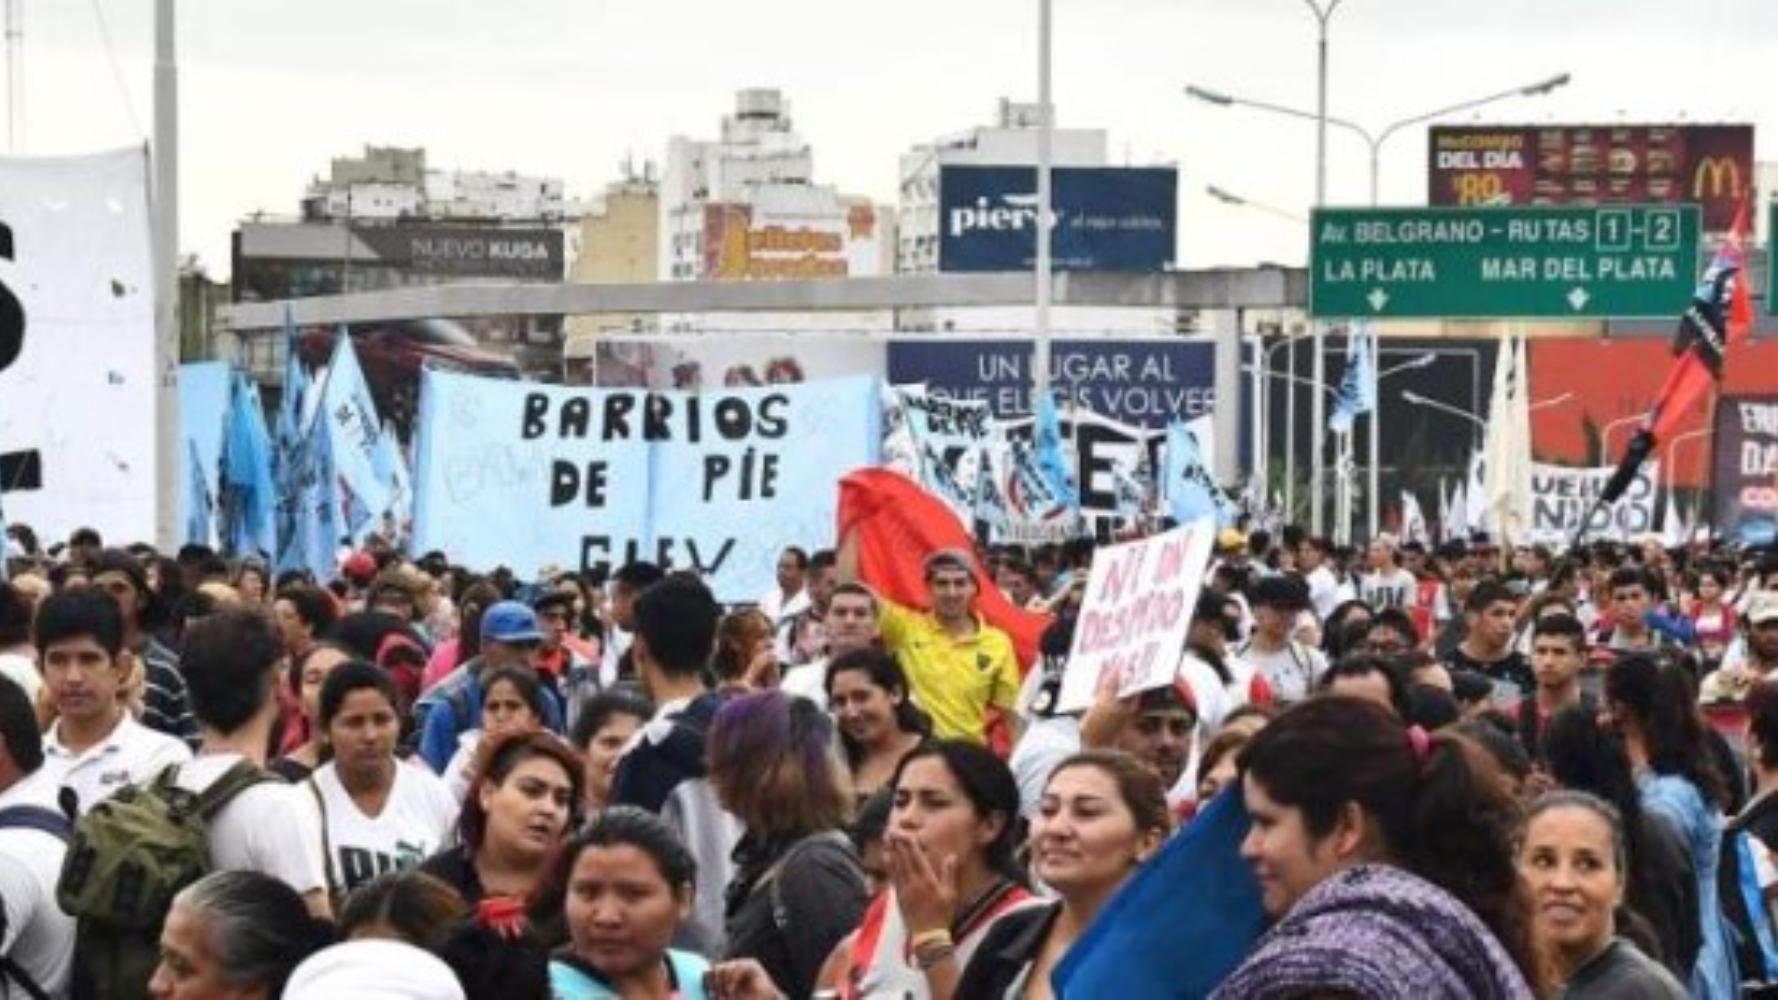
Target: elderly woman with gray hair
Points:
(235, 934)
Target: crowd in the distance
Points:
(1469, 772)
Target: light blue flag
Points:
(1357, 383)
(197, 499)
(310, 512)
(1180, 925)
(350, 417)
(1052, 461)
(248, 494)
(1188, 486)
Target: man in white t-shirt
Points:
(1325, 590)
(1292, 668)
(230, 660)
(850, 623)
(95, 747)
(1387, 585)
(37, 942)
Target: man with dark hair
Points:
(802, 637)
(666, 769)
(1486, 649)
(37, 938)
(1558, 654)
(630, 580)
(94, 747)
(83, 546)
(1325, 590)
(164, 705)
(303, 613)
(789, 594)
(1632, 629)
(1291, 668)
(1376, 678)
(1391, 633)
(573, 677)
(958, 666)
(264, 825)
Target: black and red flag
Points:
(1720, 316)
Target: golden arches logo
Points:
(1717, 170)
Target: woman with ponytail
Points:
(1653, 707)
(1385, 856)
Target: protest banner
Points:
(527, 475)
(941, 444)
(1746, 476)
(1138, 607)
(77, 375)
(1561, 496)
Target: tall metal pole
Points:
(1290, 436)
(166, 278)
(1318, 404)
(1040, 355)
(1376, 418)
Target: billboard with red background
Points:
(1618, 378)
(1592, 164)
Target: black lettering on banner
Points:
(533, 425)
(19, 470)
(772, 422)
(597, 550)
(758, 474)
(575, 415)
(657, 410)
(566, 479)
(617, 415)
(734, 420)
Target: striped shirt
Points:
(166, 708)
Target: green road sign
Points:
(1771, 271)
(1504, 263)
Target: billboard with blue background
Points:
(1141, 381)
(1106, 218)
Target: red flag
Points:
(1720, 314)
(897, 525)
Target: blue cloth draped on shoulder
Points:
(1180, 925)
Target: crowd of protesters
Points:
(1468, 771)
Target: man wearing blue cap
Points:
(511, 637)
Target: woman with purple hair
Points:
(800, 886)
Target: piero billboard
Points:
(1105, 218)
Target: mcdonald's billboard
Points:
(1592, 164)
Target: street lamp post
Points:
(1319, 368)
(1289, 420)
(1374, 141)
(1040, 355)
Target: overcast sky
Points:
(272, 89)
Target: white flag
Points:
(1413, 520)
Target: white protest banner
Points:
(1138, 607)
(77, 378)
(1561, 496)
(940, 443)
(528, 475)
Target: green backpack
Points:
(129, 857)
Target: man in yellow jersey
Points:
(958, 665)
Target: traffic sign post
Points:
(1771, 271)
(1503, 263)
